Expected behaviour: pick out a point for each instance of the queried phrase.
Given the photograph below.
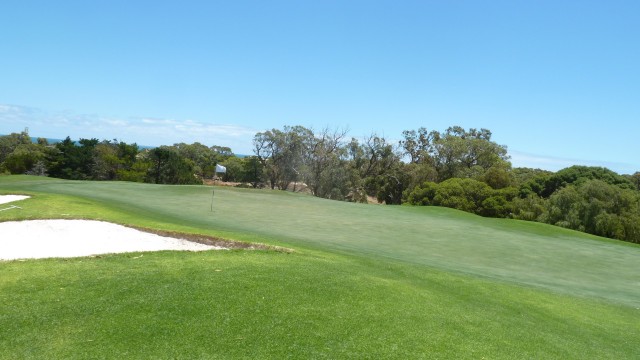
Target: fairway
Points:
(363, 281)
(514, 251)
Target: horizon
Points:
(557, 83)
(523, 160)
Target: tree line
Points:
(91, 159)
(457, 168)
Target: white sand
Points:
(11, 198)
(36, 239)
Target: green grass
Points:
(364, 282)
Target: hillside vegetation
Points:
(363, 281)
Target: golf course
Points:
(356, 281)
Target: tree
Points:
(71, 161)
(130, 168)
(500, 203)
(113, 160)
(457, 153)
(522, 175)
(422, 194)
(235, 170)
(322, 164)
(138, 170)
(9, 143)
(221, 152)
(419, 173)
(465, 194)
(635, 179)
(335, 181)
(498, 176)
(266, 149)
(631, 226)
(38, 169)
(530, 208)
(167, 167)
(576, 175)
(18, 154)
(203, 158)
(381, 170)
(420, 145)
(24, 158)
(253, 171)
(282, 154)
(462, 194)
(563, 209)
(106, 162)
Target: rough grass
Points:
(364, 282)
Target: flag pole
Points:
(213, 191)
(219, 169)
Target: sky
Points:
(557, 82)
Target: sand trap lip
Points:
(11, 198)
(38, 239)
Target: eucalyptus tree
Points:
(456, 152)
(380, 169)
(201, 156)
(462, 153)
(324, 167)
(19, 155)
(282, 154)
(25, 158)
(243, 169)
(8, 143)
(419, 145)
(106, 162)
(114, 160)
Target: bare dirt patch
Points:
(215, 241)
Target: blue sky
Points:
(558, 82)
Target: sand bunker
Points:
(11, 198)
(36, 239)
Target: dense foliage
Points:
(589, 199)
(91, 159)
(457, 168)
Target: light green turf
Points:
(364, 282)
(243, 304)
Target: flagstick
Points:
(219, 169)
(213, 191)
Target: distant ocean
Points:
(142, 147)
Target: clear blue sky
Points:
(558, 82)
